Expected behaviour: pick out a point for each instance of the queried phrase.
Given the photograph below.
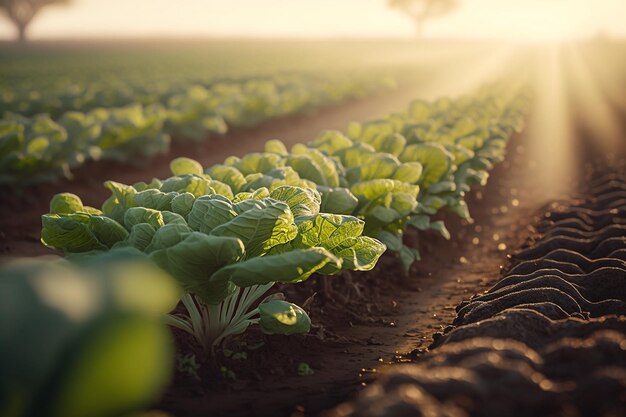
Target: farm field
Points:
(345, 228)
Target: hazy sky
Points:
(512, 19)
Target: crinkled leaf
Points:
(183, 203)
(301, 201)
(307, 168)
(372, 189)
(356, 253)
(140, 236)
(80, 232)
(254, 163)
(356, 155)
(196, 185)
(208, 212)
(194, 261)
(261, 228)
(391, 144)
(326, 230)
(154, 199)
(136, 215)
(259, 194)
(168, 236)
(379, 166)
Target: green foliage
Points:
(277, 316)
(91, 125)
(304, 369)
(229, 232)
(84, 340)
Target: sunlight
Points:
(528, 21)
(550, 139)
(593, 107)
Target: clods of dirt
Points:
(548, 339)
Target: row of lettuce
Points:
(40, 148)
(55, 95)
(228, 233)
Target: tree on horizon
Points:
(22, 12)
(423, 10)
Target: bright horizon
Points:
(520, 20)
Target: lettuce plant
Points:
(225, 252)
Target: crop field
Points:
(332, 228)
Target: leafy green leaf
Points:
(337, 200)
(435, 159)
(301, 201)
(228, 175)
(408, 256)
(289, 267)
(194, 260)
(183, 203)
(184, 166)
(136, 215)
(281, 317)
(261, 228)
(357, 254)
(65, 203)
(326, 230)
(140, 236)
(409, 172)
(439, 226)
(208, 212)
(80, 232)
(275, 146)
